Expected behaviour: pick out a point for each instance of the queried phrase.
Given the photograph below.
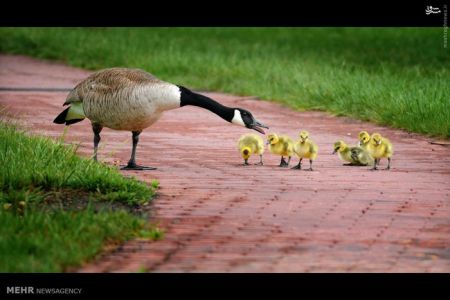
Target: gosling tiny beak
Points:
(267, 143)
(334, 152)
(258, 125)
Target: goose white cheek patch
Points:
(237, 119)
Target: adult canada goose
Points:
(132, 100)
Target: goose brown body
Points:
(124, 99)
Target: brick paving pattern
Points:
(220, 216)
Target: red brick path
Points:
(222, 217)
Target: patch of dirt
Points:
(72, 199)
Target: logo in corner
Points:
(432, 10)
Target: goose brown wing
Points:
(109, 81)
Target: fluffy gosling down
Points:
(249, 144)
(380, 147)
(355, 156)
(364, 139)
(305, 148)
(281, 145)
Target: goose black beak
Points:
(334, 152)
(258, 126)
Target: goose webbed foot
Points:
(283, 163)
(297, 167)
(259, 164)
(135, 167)
(310, 169)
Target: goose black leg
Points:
(298, 166)
(246, 162)
(375, 164)
(288, 162)
(282, 162)
(132, 162)
(96, 128)
(389, 164)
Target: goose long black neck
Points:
(189, 97)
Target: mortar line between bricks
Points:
(333, 244)
(416, 236)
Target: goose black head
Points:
(244, 118)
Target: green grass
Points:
(52, 242)
(58, 210)
(394, 76)
(41, 165)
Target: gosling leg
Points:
(96, 128)
(246, 162)
(287, 164)
(132, 162)
(310, 165)
(260, 161)
(282, 162)
(298, 166)
(375, 165)
(389, 164)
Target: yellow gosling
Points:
(305, 148)
(249, 144)
(380, 147)
(355, 156)
(364, 139)
(281, 145)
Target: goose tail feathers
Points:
(72, 114)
